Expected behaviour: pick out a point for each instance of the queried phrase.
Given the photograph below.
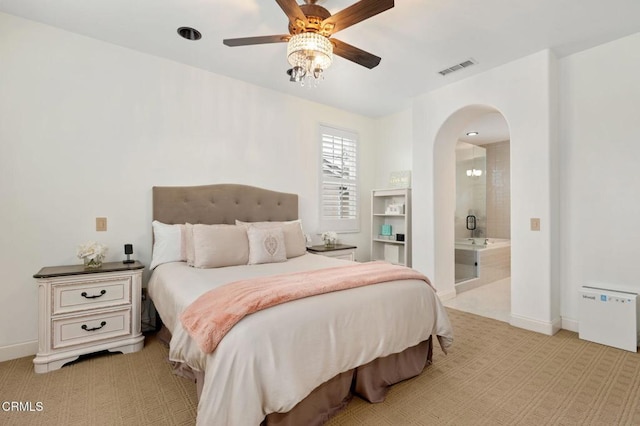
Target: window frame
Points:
(339, 225)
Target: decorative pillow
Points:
(215, 246)
(188, 239)
(168, 244)
(294, 240)
(266, 245)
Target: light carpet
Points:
(494, 374)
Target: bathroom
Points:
(482, 217)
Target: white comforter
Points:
(273, 359)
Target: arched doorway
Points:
(482, 222)
(490, 123)
(525, 93)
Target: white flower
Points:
(329, 236)
(91, 250)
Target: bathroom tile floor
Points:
(490, 300)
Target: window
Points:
(338, 180)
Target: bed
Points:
(299, 362)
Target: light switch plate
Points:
(101, 224)
(535, 224)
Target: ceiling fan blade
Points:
(292, 9)
(246, 41)
(355, 13)
(354, 54)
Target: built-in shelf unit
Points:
(391, 225)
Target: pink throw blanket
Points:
(212, 315)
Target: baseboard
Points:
(570, 324)
(447, 296)
(556, 325)
(545, 327)
(468, 285)
(18, 351)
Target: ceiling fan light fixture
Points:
(309, 54)
(297, 74)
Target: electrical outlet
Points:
(101, 224)
(535, 224)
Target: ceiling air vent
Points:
(457, 67)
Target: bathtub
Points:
(481, 243)
(481, 261)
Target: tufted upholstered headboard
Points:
(222, 203)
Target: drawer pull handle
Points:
(84, 294)
(102, 324)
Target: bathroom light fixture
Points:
(473, 172)
(309, 54)
(472, 134)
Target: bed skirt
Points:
(370, 382)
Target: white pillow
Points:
(168, 244)
(266, 245)
(188, 239)
(294, 240)
(215, 246)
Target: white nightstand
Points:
(87, 310)
(339, 251)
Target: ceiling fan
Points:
(310, 42)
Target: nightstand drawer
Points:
(89, 328)
(342, 254)
(101, 293)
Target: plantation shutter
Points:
(339, 180)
